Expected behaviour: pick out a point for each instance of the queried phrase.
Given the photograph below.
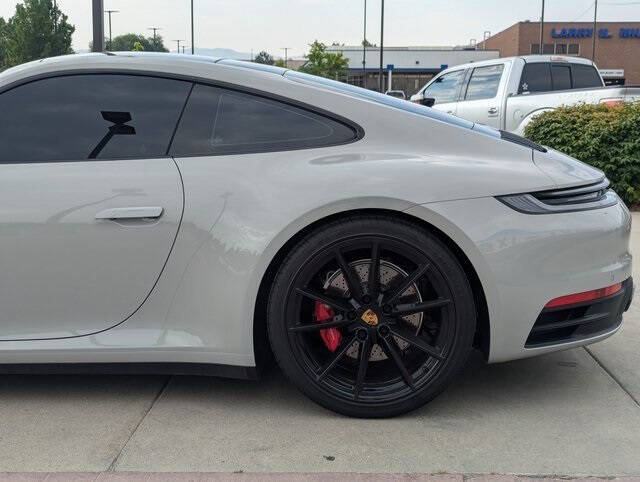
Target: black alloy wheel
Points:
(371, 316)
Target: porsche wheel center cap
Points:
(370, 317)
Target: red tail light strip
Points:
(586, 296)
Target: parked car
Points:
(178, 214)
(507, 93)
(396, 93)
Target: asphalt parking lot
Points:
(574, 413)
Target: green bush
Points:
(605, 137)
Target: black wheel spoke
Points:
(350, 276)
(390, 348)
(336, 358)
(322, 298)
(412, 308)
(374, 271)
(406, 283)
(319, 325)
(416, 341)
(365, 353)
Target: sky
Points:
(270, 25)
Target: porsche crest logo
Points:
(370, 318)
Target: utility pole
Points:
(193, 42)
(595, 21)
(178, 43)
(155, 44)
(97, 15)
(183, 47)
(381, 46)
(542, 30)
(286, 59)
(364, 49)
(109, 12)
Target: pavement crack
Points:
(114, 463)
(613, 377)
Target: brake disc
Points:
(389, 273)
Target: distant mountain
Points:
(225, 53)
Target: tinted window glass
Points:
(83, 117)
(585, 76)
(445, 88)
(561, 75)
(484, 82)
(224, 121)
(536, 77)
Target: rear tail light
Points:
(585, 296)
(612, 102)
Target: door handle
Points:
(131, 213)
(493, 110)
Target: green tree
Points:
(280, 63)
(264, 58)
(323, 63)
(37, 30)
(135, 42)
(366, 43)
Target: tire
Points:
(364, 345)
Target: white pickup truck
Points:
(507, 93)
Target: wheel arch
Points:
(262, 350)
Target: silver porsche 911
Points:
(177, 214)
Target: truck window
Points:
(536, 77)
(561, 77)
(445, 88)
(585, 76)
(484, 82)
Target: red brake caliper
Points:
(330, 336)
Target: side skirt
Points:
(197, 369)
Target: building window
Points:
(561, 49)
(574, 49)
(547, 49)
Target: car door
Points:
(480, 100)
(90, 203)
(444, 91)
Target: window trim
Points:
(359, 132)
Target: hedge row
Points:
(605, 137)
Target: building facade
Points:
(410, 67)
(617, 52)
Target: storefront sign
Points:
(603, 33)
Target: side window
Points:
(561, 77)
(445, 88)
(95, 116)
(484, 82)
(585, 76)
(536, 77)
(222, 121)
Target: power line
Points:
(588, 9)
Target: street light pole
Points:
(110, 38)
(542, 30)
(193, 43)
(178, 43)
(595, 21)
(364, 49)
(381, 46)
(97, 15)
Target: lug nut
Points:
(362, 335)
(386, 309)
(366, 299)
(383, 330)
(352, 315)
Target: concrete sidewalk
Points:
(574, 413)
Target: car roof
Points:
(526, 58)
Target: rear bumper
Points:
(581, 321)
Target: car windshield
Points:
(379, 98)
